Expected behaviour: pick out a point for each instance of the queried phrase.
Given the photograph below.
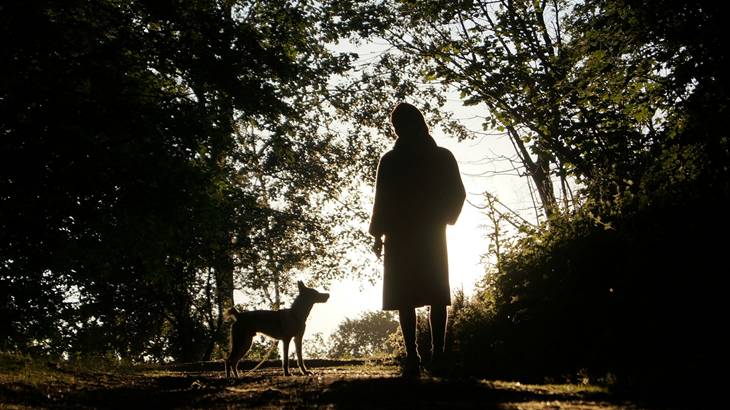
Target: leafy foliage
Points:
(157, 155)
(627, 284)
(156, 151)
(365, 336)
(626, 97)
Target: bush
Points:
(367, 335)
(627, 288)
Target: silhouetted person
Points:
(417, 193)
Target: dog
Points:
(282, 324)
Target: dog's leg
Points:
(238, 350)
(285, 358)
(300, 360)
(228, 361)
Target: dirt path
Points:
(334, 385)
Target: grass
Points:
(27, 382)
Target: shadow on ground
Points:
(335, 384)
(436, 393)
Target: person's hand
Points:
(378, 247)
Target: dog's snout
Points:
(325, 296)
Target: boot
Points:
(438, 365)
(412, 366)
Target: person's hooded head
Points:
(408, 123)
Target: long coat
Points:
(418, 191)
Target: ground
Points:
(27, 383)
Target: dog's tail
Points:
(230, 314)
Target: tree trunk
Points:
(544, 183)
(224, 301)
(538, 170)
(224, 283)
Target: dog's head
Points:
(312, 294)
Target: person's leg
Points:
(438, 319)
(408, 328)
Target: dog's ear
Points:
(300, 284)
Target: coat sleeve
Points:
(378, 219)
(455, 190)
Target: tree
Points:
(364, 336)
(500, 54)
(137, 136)
(625, 283)
(103, 179)
(579, 101)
